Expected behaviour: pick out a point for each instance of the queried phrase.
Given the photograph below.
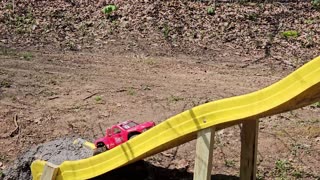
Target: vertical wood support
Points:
(249, 144)
(49, 172)
(203, 159)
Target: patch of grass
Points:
(290, 33)
(131, 91)
(313, 131)
(297, 174)
(27, 56)
(281, 168)
(243, 2)
(314, 121)
(47, 93)
(3, 158)
(145, 87)
(173, 98)
(71, 46)
(309, 40)
(21, 30)
(98, 98)
(77, 108)
(260, 175)
(109, 9)
(166, 31)
(5, 83)
(317, 104)
(229, 163)
(9, 6)
(150, 61)
(8, 52)
(22, 23)
(252, 16)
(309, 21)
(211, 11)
(315, 4)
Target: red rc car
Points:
(119, 134)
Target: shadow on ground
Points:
(142, 170)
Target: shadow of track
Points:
(142, 170)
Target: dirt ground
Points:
(61, 93)
(69, 70)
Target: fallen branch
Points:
(90, 96)
(101, 130)
(16, 130)
(53, 97)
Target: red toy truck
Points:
(119, 134)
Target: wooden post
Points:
(49, 172)
(249, 144)
(203, 160)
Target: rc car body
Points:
(121, 133)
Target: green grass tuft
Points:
(98, 98)
(109, 9)
(291, 33)
(27, 56)
(211, 11)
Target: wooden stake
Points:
(49, 172)
(204, 148)
(249, 144)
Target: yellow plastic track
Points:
(300, 88)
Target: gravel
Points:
(55, 152)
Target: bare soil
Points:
(66, 70)
(58, 94)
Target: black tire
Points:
(100, 149)
(132, 136)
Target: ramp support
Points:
(203, 159)
(49, 172)
(249, 144)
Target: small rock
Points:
(221, 132)
(105, 114)
(182, 164)
(34, 27)
(167, 154)
(38, 120)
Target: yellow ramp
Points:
(300, 88)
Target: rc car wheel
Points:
(100, 149)
(133, 136)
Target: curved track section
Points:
(298, 89)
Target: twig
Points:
(174, 155)
(53, 97)
(90, 96)
(16, 130)
(101, 130)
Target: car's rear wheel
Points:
(100, 149)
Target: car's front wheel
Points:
(133, 136)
